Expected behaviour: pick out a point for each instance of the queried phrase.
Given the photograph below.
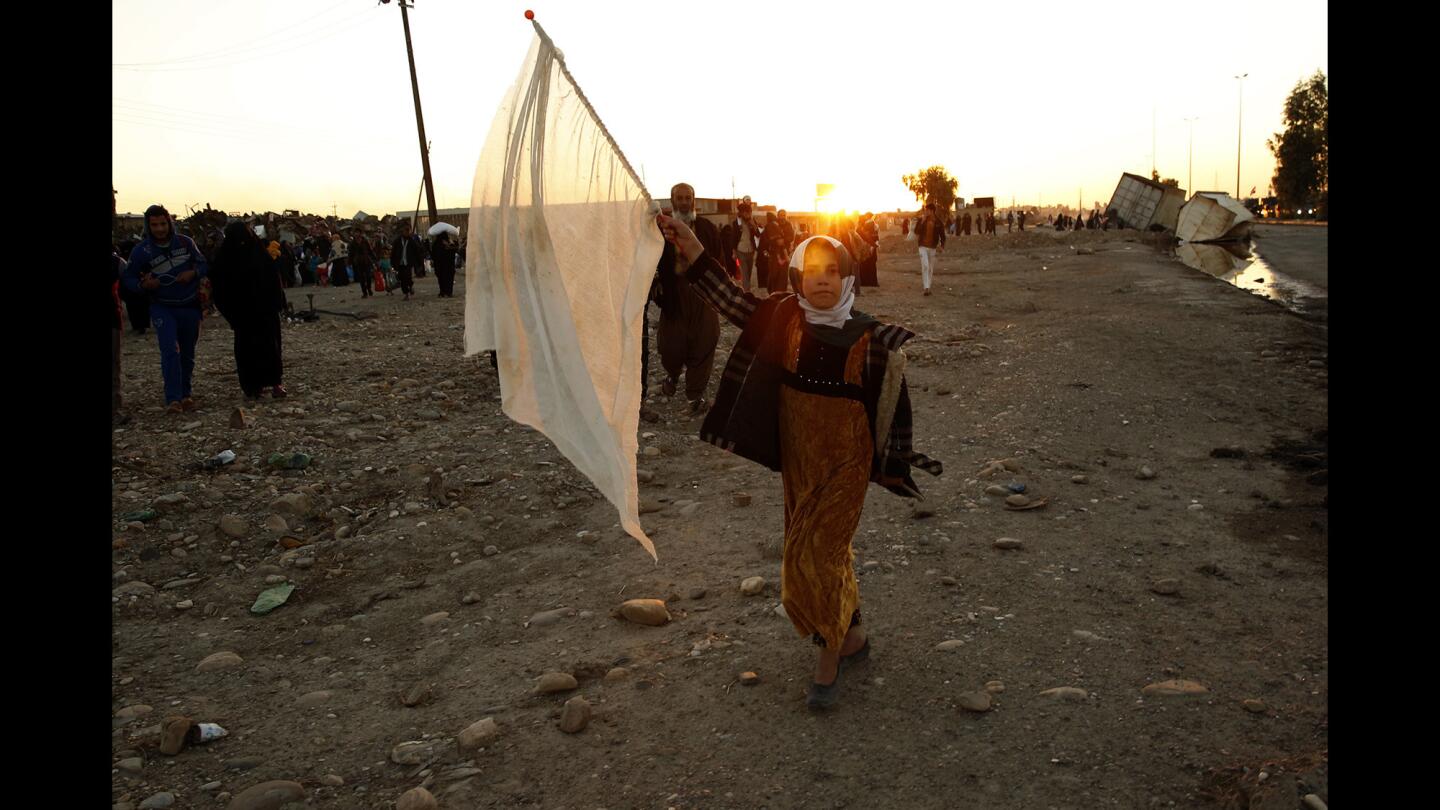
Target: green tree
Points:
(933, 185)
(1169, 181)
(1302, 151)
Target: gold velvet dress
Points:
(825, 452)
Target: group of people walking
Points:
(1096, 221)
(981, 222)
(166, 281)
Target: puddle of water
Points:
(1238, 264)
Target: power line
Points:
(268, 50)
(233, 49)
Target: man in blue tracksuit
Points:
(168, 267)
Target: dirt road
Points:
(1175, 425)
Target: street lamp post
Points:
(1239, 119)
(1190, 178)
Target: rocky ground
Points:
(1154, 634)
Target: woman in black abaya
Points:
(248, 292)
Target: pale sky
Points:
(275, 104)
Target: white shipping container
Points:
(1213, 215)
(1142, 203)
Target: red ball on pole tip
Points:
(529, 15)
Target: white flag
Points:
(563, 246)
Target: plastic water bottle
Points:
(205, 732)
(220, 459)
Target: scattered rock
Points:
(1007, 543)
(415, 752)
(477, 735)
(233, 526)
(133, 711)
(548, 617)
(243, 763)
(277, 524)
(1311, 801)
(332, 780)
(316, 698)
(131, 764)
(1018, 500)
(267, 795)
(491, 551)
(752, 586)
(994, 687)
(1144, 473)
(649, 506)
(225, 659)
(1166, 587)
(416, 695)
(949, 581)
(416, 799)
(160, 800)
(974, 701)
(919, 512)
(749, 679)
(950, 644)
(1231, 451)
(436, 617)
(470, 598)
(1254, 705)
(650, 612)
(575, 716)
(552, 682)
(741, 499)
(998, 491)
(211, 787)
(644, 476)
(1176, 688)
(1069, 693)
(1079, 479)
(617, 674)
(295, 503)
(780, 611)
(166, 503)
(136, 588)
(240, 419)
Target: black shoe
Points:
(823, 696)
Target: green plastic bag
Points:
(271, 598)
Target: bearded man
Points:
(689, 329)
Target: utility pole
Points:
(1239, 117)
(1190, 178)
(419, 118)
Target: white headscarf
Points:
(837, 315)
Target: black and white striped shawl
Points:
(745, 419)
